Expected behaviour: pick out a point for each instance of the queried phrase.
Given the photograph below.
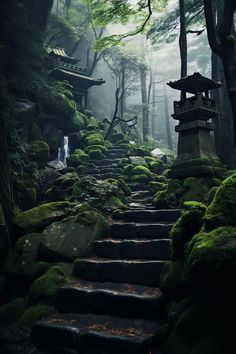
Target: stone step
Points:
(110, 169)
(150, 230)
(147, 200)
(132, 249)
(114, 155)
(139, 206)
(137, 186)
(108, 162)
(143, 272)
(122, 300)
(141, 194)
(95, 334)
(102, 175)
(166, 215)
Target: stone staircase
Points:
(113, 304)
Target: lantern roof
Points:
(194, 83)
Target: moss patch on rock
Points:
(34, 314)
(39, 217)
(222, 210)
(11, 312)
(72, 237)
(44, 289)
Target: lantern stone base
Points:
(199, 167)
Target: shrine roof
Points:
(61, 54)
(75, 73)
(194, 83)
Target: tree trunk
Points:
(153, 108)
(183, 40)
(224, 46)
(167, 121)
(143, 80)
(217, 96)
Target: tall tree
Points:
(143, 80)
(183, 39)
(222, 43)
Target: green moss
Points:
(72, 237)
(211, 194)
(37, 218)
(222, 210)
(34, 314)
(44, 288)
(141, 170)
(186, 227)
(96, 154)
(142, 151)
(156, 166)
(94, 139)
(96, 147)
(211, 260)
(141, 178)
(157, 186)
(23, 259)
(38, 151)
(173, 285)
(11, 312)
(114, 203)
(122, 185)
(74, 160)
(164, 200)
(67, 180)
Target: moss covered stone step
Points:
(143, 272)
(102, 175)
(138, 186)
(143, 249)
(95, 334)
(150, 230)
(108, 162)
(113, 169)
(141, 194)
(114, 154)
(111, 299)
(166, 215)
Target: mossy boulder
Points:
(34, 314)
(156, 166)
(96, 147)
(138, 160)
(186, 227)
(74, 160)
(44, 289)
(11, 312)
(196, 331)
(173, 284)
(141, 178)
(96, 154)
(72, 237)
(38, 151)
(116, 137)
(222, 210)
(211, 261)
(94, 139)
(55, 194)
(78, 122)
(114, 203)
(67, 180)
(37, 218)
(142, 151)
(22, 261)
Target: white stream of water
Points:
(63, 151)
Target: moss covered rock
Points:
(67, 180)
(44, 288)
(72, 237)
(11, 312)
(34, 314)
(96, 154)
(188, 225)
(39, 217)
(38, 151)
(94, 139)
(22, 262)
(211, 260)
(222, 210)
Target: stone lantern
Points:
(196, 146)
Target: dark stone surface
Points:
(112, 299)
(149, 215)
(95, 334)
(144, 272)
(133, 230)
(143, 249)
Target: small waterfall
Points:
(63, 151)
